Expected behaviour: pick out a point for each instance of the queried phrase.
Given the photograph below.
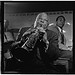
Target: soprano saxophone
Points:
(32, 39)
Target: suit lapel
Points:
(58, 32)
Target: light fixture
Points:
(68, 23)
(51, 24)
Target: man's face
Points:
(60, 22)
(42, 21)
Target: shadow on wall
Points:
(0, 11)
(0, 36)
(0, 53)
(0, 47)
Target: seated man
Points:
(65, 52)
(58, 28)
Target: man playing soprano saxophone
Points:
(49, 39)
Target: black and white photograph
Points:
(38, 37)
(0, 37)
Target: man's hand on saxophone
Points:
(44, 37)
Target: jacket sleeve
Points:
(20, 33)
(52, 53)
(53, 49)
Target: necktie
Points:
(62, 37)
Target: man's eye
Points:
(60, 20)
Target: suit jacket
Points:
(56, 30)
(21, 32)
(53, 50)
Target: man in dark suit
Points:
(50, 37)
(47, 50)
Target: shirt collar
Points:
(59, 28)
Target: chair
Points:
(63, 61)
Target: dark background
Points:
(0, 11)
(38, 6)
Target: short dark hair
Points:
(59, 17)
